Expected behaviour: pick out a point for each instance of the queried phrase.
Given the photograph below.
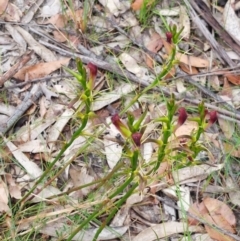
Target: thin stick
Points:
(35, 81)
(15, 68)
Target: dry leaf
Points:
(164, 230)
(57, 20)
(40, 70)
(194, 173)
(212, 232)
(186, 59)
(51, 8)
(221, 214)
(198, 210)
(186, 129)
(214, 212)
(192, 61)
(115, 7)
(31, 168)
(14, 189)
(184, 22)
(227, 127)
(188, 69)
(231, 21)
(81, 178)
(59, 36)
(4, 197)
(131, 65)
(234, 79)
(154, 45)
(231, 150)
(38, 48)
(13, 13)
(3, 6)
(234, 195)
(113, 150)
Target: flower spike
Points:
(120, 125)
(92, 74)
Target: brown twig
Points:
(15, 68)
(35, 81)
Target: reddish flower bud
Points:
(92, 74)
(169, 37)
(137, 138)
(120, 125)
(93, 69)
(212, 117)
(182, 116)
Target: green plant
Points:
(87, 98)
(146, 11)
(131, 132)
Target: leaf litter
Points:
(117, 34)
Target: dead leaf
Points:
(231, 21)
(40, 70)
(4, 197)
(12, 14)
(198, 210)
(51, 8)
(112, 96)
(221, 214)
(186, 129)
(188, 69)
(14, 189)
(154, 45)
(214, 212)
(38, 48)
(3, 6)
(57, 20)
(227, 127)
(192, 61)
(184, 22)
(47, 92)
(234, 79)
(231, 150)
(115, 7)
(164, 230)
(234, 195)
(59, 36)
(212, 232)
(81, 178)
(131, 65)
(194, 173)
(186, 59)
(31, 168)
